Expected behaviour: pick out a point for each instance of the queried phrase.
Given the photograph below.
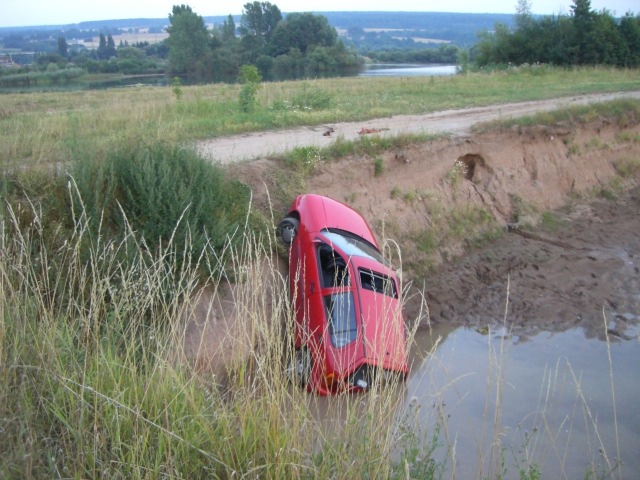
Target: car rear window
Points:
(378, 282)
(353, 245)
(341, 317)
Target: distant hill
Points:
(363, 31)
(449, 26)
(458, 28)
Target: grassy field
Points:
(48, 127)
(94, 382)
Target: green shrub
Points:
(627, 167)
(304, 159)
(250, 79)
(162, 192)
(311, 98)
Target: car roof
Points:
(318, 213)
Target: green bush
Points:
(163, 193)
(312, 98)
(304, 159)
(250, 79)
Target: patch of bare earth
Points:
(582, 272)
(557, 278)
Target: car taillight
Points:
(329, 380)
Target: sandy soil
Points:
(584, 272)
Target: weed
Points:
(521, 210)
(176, 87)
(574, 149)
(351, 198)
(551, 221)
(457, 173)
(312, 98)
(426, 241)
(304, 159)
(628, 137)
(410, 196)
(621, 112)
(378, 166)
(627, 167)
(611, 191)
(597, 143)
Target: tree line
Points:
(298, 45)
(584, 37)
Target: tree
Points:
(303, 31)
(229, 29)
(63, 48)
(102, 48)
(583, 19)
(259, 20)
(523, 14)
(188, 42)
(630, 32)
(110, 50)
(606, 42)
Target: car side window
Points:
(333, 268)
(341, 318)
(377, 282)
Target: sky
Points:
(17, 13)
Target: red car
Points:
(349, 329)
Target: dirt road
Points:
(457, 122)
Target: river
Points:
(405, 70)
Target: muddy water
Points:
(557, 400)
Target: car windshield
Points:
(353, 245)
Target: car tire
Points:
(300, 365)
(287, 230)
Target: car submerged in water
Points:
(349, 331)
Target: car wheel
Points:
(300, 364)
(287, 230)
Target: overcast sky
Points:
(62, 12)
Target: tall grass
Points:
(96, 382)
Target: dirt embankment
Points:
(434, 198)
(557, 278)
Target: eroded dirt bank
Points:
(585, 272)
(441, 200)
(583, 265)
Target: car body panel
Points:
(328, 213)
(346, 298)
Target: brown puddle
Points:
(556, 407)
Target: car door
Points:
(342, 337)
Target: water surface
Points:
(403, 70)
(557, 400)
